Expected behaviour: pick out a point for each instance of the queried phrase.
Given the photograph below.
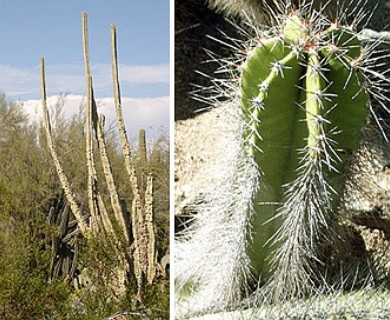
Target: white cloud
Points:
(18, 82)
(144, 74)
(138, 112)
(22, 83)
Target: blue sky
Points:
(52, 29)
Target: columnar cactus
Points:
(133, 241)
(150, 232)
(304, 104)
(304, 89)
(69, 194)
(142, 147)
(143, 228)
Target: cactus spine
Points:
(304, 89)
(304, 104)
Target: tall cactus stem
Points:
(63, 178)
(137, 214)
(92, 188)
(118, 111)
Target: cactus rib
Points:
(304, 112)
(304, 90)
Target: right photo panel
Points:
(282, 159)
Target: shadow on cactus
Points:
(304, 89)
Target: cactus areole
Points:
(304, 105)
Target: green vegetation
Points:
(79, 239)
(301, 96)
(305, 105)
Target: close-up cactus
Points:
(302, 91)
(304, 106)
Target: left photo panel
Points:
(84, 160)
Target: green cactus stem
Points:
(293, 102)
(142, 147)
(305, 104)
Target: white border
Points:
(172, 156)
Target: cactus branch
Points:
(151, 242)
(118, 212)
(306, 87)
(118, 110)
(63, 178)
(137, 214)
(92, 187)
